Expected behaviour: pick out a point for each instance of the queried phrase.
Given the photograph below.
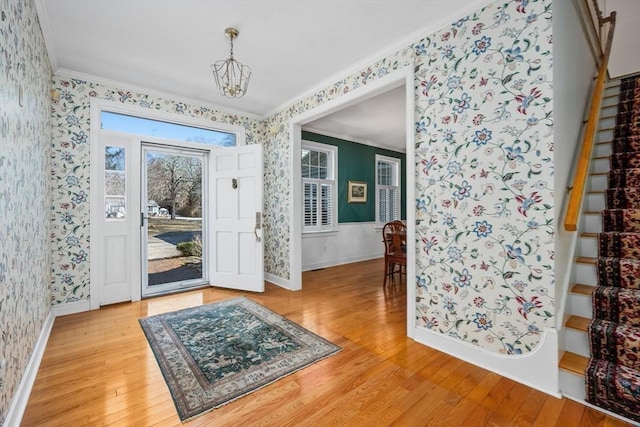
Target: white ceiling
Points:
(292, 47)
(625, 51)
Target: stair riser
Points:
(577, 342)
(580, 305)
(595, 202)
(609, 108)
(598, 182)
(605, 135)
(600, 150)
(600, 165)
(572, 385)
(607, 122)
(589, 247)
(592, 223)
(586, 274)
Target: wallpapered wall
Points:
(484, 174)
(25, 137)
(485, 178)
(71, 170)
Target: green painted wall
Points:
(357, 162)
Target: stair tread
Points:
(573, 362)
(592, 212)
(578, 322)
(586, 260)
(579, 288)
(598, 173)
(588, 234)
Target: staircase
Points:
(605, 348)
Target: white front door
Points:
(115, 244)
(236, 218)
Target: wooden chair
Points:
(394, 237)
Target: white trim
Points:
(71, 308)
(350, 138)
(340, 261)
(397, 78)
(332, 168)
(21, 396)
(405, 42)
(396, 162)
(278, 281)
(66, 73)
(525, 369)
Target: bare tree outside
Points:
(175, 181)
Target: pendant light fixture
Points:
(232, 78)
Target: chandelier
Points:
(232, 78)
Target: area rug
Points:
(213, 354)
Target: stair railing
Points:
(578, 187)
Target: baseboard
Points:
(71, 308)
(277, 280)
(340, 261)
(21, 397)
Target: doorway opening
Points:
(145, 215)
(403, 77)
(172, 219)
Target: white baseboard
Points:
(340, 261)
(277, 280)
(21, 396)
(71, 308)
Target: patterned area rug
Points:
(213, 354)
(613, 373)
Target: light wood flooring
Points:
(98, 368)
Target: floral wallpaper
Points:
(483, 167)
(484, 196)
(71, 169)
(25, 137)
(484, 175)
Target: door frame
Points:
(397, 78)
(97, 106)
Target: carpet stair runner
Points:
(613, 373)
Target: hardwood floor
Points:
(98, 368)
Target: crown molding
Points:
(63, 72)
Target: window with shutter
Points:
(387, 189)
(318, 186)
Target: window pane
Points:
(160, 129)
(313, 158)
(385, 173)
(313, 172)
(114, 182)
(322, 159)
(305, 156)
(322, 173)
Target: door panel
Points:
(236, 239)
(115, 248)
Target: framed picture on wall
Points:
(357, 192)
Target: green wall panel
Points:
(356, 162)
